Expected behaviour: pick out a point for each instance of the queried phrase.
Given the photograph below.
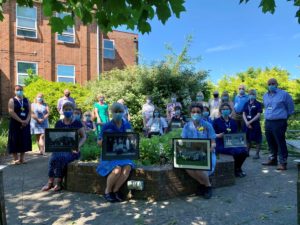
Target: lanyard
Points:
(21, 104)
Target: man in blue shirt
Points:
(239, 102)
(278, 108)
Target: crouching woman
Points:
(116, 171)
(59, 161)
(201, 129)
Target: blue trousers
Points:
(275, 135)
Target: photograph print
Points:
(61, 140)
(117, 146)
(192, 153)
(235, 140)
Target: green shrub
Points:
(90, 151)
(3, 135)
(53, 91)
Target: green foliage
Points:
(31, 77)
(257, 79)
(53, 91)
(108, 14)
(151, 149)
(90, 150)
(3, 135)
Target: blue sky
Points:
(229, 37)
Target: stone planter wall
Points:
(161, 182)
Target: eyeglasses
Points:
(195, 112)
(118, 111)
(241, 88)
(272, 84)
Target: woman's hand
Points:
(220, 135)
(212, 147)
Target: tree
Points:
(107, 13)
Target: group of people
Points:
(207, 120)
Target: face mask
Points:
(77, 117)
(272, 88)
(67, 95)
(68, 114)
(39, 100)
(101, 99)
(252, 97)
(199, 98)
(117, 116)
(242, 92)
(148, 101)
(196, 116)
(156, 114)
(173, 100)
(19, 93)
(205, 114)
(225, 98)
(88, 118)
(216, 95)
(177, 112)
(226, 112)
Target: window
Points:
(22, 70)
(68, 35)
(26, 21)
(66, 74)
(109, 49)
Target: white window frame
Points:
(25, 74)
(57, 76)
(111, 49)
(67, 34)
(26, 28)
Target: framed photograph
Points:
(235, 140)
(192, 153)
(176, 125)
(61, 139)
(116, 146)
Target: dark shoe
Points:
(270, 163)
(239, 173)
(110, 197)
(118, 196)
(281, 167)
(207, 193)
(201, 190)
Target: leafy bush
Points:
(90, 150)
(3, 135)
(53, 91)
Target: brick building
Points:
(79, 54)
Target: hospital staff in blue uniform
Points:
(251, 116)
(198, 128)
(226, 125)
(279, 107)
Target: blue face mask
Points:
(39, 100)
(199, 98)
(88, 118)
(196, 116)
(252, 97)
(225, 98)
(205, 114)
(177, 112)
(77, 117)
(117, 116)
(19, 93)
(242, 92)
(226, 112)
(272, 88)
(68, 114)
(156, 114)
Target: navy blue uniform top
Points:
(221, 126)
(251, 109)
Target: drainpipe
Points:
(98, 60)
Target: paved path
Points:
(265, 196)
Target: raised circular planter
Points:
(160, 182)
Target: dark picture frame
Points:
(118, 146)
(192, 153)
(61, 139)
(235, 140)
(176, 125)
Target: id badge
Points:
(23, 114)
(270, 108)
(249, 117)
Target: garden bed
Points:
(160, 182)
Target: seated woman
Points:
(178, 118)
(225, 125)
(117, 171)
(206, 114)
(59, 160)
(156, 125)
(87, 122)
(198, 128)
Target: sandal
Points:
(57, 187)
(47, 187)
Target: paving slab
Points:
(264, 196)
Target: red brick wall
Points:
(48, 53)
(126, 50)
